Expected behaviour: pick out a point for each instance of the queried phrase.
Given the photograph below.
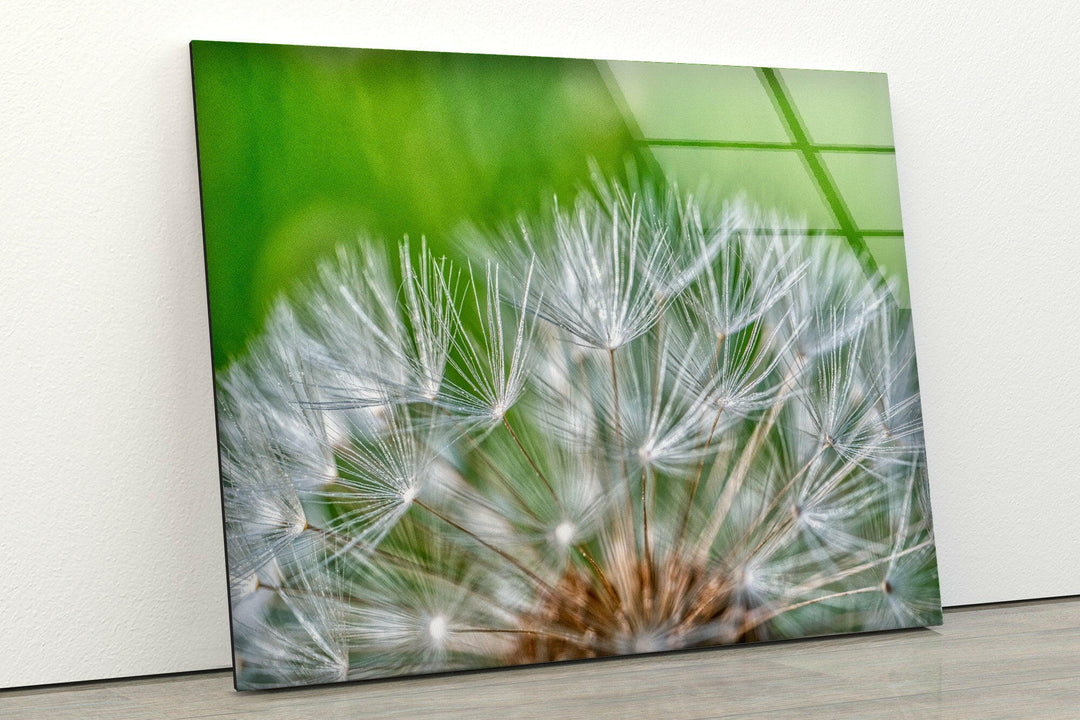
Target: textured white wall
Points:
(110, 533)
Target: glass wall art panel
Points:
(521, 360)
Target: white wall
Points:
(110, 533)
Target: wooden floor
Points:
(1004, 661)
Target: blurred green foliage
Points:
(303, 148)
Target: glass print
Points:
(520, 360)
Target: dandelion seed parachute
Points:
(492, 367)
(594, 274)
(643, 423)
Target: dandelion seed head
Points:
(650, 422)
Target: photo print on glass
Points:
(521, 360)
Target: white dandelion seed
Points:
(358, 339)
(736, 375)
(835, 299)
(660, 419)
(745, 275)
(493, 367)
(429, 287)
(672, 220)
(381, 474)
(594, 276)
(850, 413)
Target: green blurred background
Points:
(303, 148)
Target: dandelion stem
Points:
(599, 572)
(347, 543)
(505, 556)
(503, 479)
(535, 467)
(735, 480)
(757, 619)
(645, 530)
(416, 566)
(622, 446)
(820, 581)
(761, 517)
(697, 477)
(657, 365)
(720, 337)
